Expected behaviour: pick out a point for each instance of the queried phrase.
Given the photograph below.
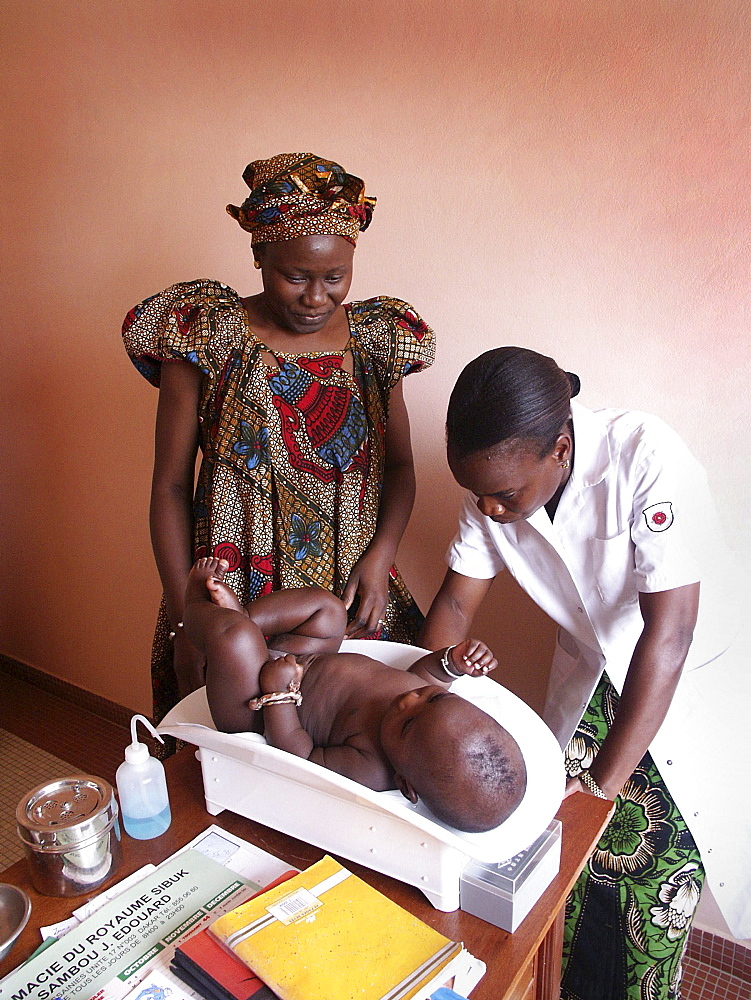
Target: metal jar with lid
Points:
(71, 834)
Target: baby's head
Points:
(468, 769)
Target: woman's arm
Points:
(453, 610)
(171, 518)
(370, 575)
(653, 674)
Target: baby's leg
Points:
(234, 648)
(301, 620)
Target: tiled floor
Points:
(24, 767)
(69, 736)
(716, 968)
(705, 982)
(42, 738)
(721, 953)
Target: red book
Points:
(212, 970)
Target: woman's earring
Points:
(564, 465)
(257, 265)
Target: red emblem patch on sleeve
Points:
(659, 516)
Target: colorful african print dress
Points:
(293, 453)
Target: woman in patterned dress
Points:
(605, 519)
(295, 400)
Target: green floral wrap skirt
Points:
(628, 916)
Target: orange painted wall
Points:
(570, 176)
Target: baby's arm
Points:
(281, 721)
(471, 657)
(283, 730)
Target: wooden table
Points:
(524, 965)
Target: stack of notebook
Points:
(216, 973)
(326, 935)
(207, 968)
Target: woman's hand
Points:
(369, 582)
(189, 664)
(282, 674)
(472, 657)
(574, 785)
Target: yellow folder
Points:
(327, 935)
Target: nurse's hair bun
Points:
(509, 394)
(575, 384)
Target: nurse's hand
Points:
(573, 785)
(472, 657)
(577, 785)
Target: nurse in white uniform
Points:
(604, 518)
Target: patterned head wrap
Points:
(299, 194)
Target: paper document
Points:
(108, 953)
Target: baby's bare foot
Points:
(205, 583)
(220, 593)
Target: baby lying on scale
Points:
(383, 727)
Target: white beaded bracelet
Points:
(447, 664)
(586, 779)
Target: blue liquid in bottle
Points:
(146, 827)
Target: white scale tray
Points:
(381, 830)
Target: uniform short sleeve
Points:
(673, 513)
(196, 321)
(394, 336)
(472, 552)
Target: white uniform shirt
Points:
(635, 517)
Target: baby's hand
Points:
(472, 657)
(283, 674)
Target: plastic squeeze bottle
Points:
(142, 788)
